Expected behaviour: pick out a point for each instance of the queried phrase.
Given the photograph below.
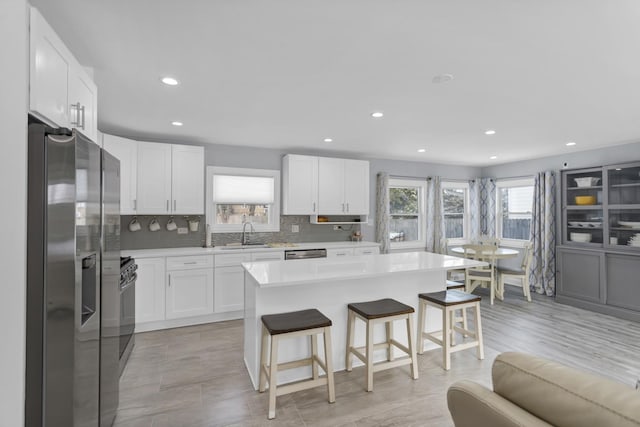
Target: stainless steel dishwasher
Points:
(305, 254)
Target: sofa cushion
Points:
(564, 396)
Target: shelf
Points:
(585, 228)
(627, 206)
(633, 230)
(584, 207)
(595, 187)
(633, 184)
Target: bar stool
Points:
(372, 312)
(289, 325)
(448, 301)
(458, 286)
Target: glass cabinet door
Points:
(583, 201)
(624, 205)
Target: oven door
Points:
(127, 312)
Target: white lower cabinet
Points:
(229, 294)
(375, 250)
(332, 253)
(189, 293)
(150, 289)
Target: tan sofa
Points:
(529, 391)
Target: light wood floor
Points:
(195, 376)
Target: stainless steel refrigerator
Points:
(72, 247)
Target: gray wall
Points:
(13, 185)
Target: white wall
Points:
(13, 167)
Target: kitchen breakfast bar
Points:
(329, 284)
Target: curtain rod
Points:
(427, 178)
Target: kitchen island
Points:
(329, 284)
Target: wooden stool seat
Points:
(381, 311)
(448, 302)
(380, 308)
(294, 321)
(288, 325)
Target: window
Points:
(455, 199)
(236, 196)
(407, 207)
(514, 204)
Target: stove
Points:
(128, 276)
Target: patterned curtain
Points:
(482, 198)
(542, 278)
(436, 241)
(382, 212)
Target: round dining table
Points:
(500, 253)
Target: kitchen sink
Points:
(233, 246)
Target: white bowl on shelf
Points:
(629, 224)
(587, 181)
(580, 237)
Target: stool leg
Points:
(480, 351)
(389, 328)
(328, 361)
(273, 377)
(351, 321)
(263, 359)
(452, 320)
(465, 325)
(314, 356)
(369, 355)
(412, 349)
(446, 336)
(421, 317)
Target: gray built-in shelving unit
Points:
(598, 256)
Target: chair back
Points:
(488, 240)
(480, 252)
(527, 254)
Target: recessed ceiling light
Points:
(570, 144)
(442, 78)
(328, 140)
(493, 157)
(177, 123)
(377, 115)
(169, 81)
(421, 150)
(489, 132)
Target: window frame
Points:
(510, 183)
(274, 219)
(466, 226)
(422, 212)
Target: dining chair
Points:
(481, 276)
(522, 273)
(455, 274)
(485, 239)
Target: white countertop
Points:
(152, 253)
(285, 273)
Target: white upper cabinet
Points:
(170, 179)
(356, 187)
(61, 92)
(187, 179)
(331, 186)
(300, 185)
(125, 150)
(343, 186)
(154, 178)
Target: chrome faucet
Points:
(245, 238)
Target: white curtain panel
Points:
(382, 212)
(542, 278)
(482, 209)
(436, 241)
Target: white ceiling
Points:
(288, 73)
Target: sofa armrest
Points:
(472, 405)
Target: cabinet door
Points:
(623, 285)
(331, 186)
(125, 150)
(154, 178)
(356, 187)
(331, 253)
(150, 290)
(366, 251)
(580, 274)
(187, 179)
(189, 293)
(299, 185)
(229, 289)
(267, 256)
(49, 73)
(83, 102)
